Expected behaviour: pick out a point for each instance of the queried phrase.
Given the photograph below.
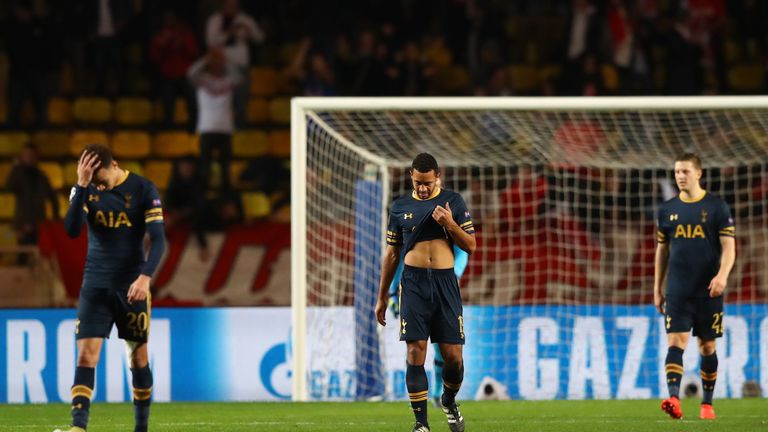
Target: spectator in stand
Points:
(215, 79)
(583, 36)
(185, 201)
(311, 71)
(31, 188)
(235, 31)
(684, 72)
(589, 81)
(413, 72)
(173, 49)
(109, 19)
(498, 83)
(28, 54)
(368, 70)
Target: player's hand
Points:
(139, 289)
(381, 310)
(443, 215)
(717, 286)
(87, 165)
(658, 301)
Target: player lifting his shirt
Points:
(425, 225)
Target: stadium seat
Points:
(525, 79)
(93, 110)
(264, 81)
(235, 169)
(132, 166)
(3, 110)
(70, 173)
(52, 144)
(610, 77)
(451, 80)
(249, 144)
(11, 143)
(255, 205)
(280, 143)
(133, 111)
(280, 110)
(181, 114)
(130, 144)
(257, 111)
(172, 144)
(747, 78)
(159, 172)
(59, 111)
(7, 236)
(7, 206)
(5, 170)
(54, 173)
(82, 138)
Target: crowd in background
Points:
(202, 51)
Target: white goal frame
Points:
(301, 105)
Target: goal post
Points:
(563, 193)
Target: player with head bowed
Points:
(119, 208)
(424, 226)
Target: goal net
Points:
(563, 194)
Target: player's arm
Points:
(659, 274)
(727, 259)
(153, 219)
(388, 268)
(75, 217)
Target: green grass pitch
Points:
(557, 416)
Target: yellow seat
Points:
(181, 113)
(264, 81)
(133, 111)
(82, 138)
(280, 110)
(235, 169)
(54, 173)
(132, 166)
(525, 78)
(451, 80)
(11, 143)
(59, 111)
(280, 143)
(7, 206)
(249, 144)
(8, 238)
(93, 110)
(130, 144)
(70, 173)
(5, 171)
(610, 77)
(173, 144)
(159, 172)
(52, 144)
(746, 78)
(255, 205)
(257, 111)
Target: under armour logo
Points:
(408, 216)
(94, 198)
(673, 217)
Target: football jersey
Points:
(117, 220)
(693, 231)
(410, 218)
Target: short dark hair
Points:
(103, 152)
(425, 162)
(690, 157)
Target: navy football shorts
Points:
(702, 314)
(430, 306)
(100, 308)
